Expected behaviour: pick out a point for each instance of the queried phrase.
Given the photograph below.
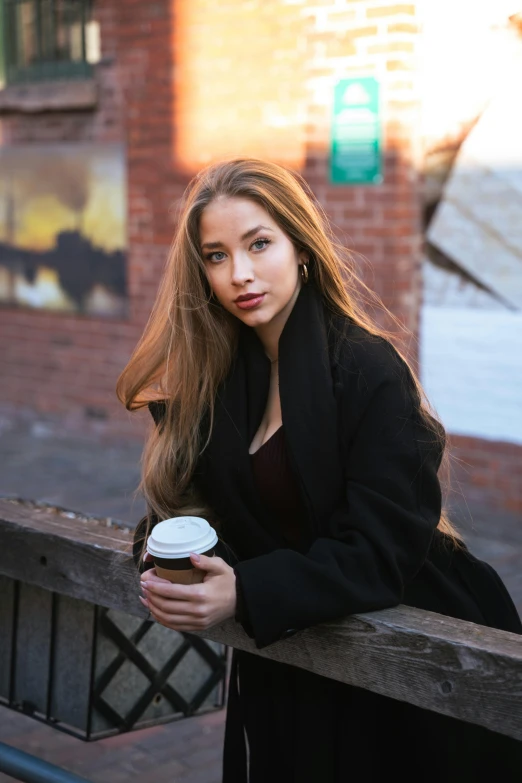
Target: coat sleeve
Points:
(378, 536)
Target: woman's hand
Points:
(192, 607)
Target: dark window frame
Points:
(44, 40)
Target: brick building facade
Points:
(180, 83)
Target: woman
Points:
(287, 419)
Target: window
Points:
(44, 39)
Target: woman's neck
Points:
(270, 343)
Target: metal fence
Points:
(23, 766)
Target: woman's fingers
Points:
(175, 622)
(174, 616)
(178, 622)
(212, 565)
(191, 607)
(174, 592)
(168, 606)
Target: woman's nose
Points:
(242, 271)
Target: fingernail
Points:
(195, 557)
(144, 585)
(143, 600)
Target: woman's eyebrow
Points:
(211, 245)
(253, 231)
(246, 235)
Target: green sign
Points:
(356, 143)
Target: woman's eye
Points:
(216, 257)
(260, 244)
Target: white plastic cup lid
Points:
(178, 537)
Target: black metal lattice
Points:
(95, 672)
(213, 660)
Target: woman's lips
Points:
(249, 304)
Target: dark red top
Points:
(277, 486)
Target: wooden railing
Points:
(449, 666)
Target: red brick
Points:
(391, 46)
(362, 32)
(390, 10)
(398, 65)
(341, 19)
(403, 27)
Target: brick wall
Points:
(380, 224)
(486, 474)
(182, 83)
(149, 78)
(291, 56)
(68, 365)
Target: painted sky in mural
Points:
(63, 228)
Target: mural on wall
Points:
(471, 323)
(63, 228)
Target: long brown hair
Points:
(189, 342)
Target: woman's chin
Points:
(254, 318)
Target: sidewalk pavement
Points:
(85, 473)
(186, 751)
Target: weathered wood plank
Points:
(72, 661)
(438, 663)
(67, 524)
(64, 555)
(7, 593)
(33, 648)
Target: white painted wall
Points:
(471, 369)
(471, 338)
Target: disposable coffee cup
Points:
(173, 541)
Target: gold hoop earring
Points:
(304, 274)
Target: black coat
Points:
(366, 462)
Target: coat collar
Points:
(309, 416)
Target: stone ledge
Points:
(59, 95)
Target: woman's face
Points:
(252, 266)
